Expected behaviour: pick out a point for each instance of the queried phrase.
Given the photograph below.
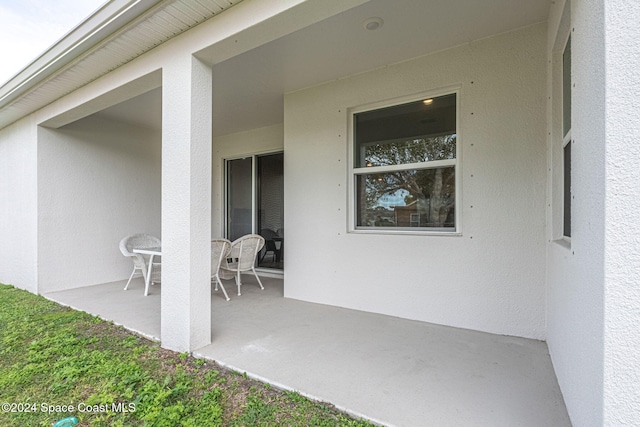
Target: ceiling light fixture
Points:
(372, 24)
(428, 101)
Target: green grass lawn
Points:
(56, 362)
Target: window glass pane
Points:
(271, 210)
(405, 151)
(567, 190)
(410, 198)
(416, 132)
(566, 88)
(239, 203)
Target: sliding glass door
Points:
(255, 204)
(239, 198)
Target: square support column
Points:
(186, 204)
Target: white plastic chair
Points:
(220, 249)
(140, 241)
(242, 258)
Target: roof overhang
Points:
(115, 34)
(250, 83)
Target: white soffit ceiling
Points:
(156, 25)
(249, 88)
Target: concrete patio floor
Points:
(392, 371)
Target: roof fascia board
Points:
(105, 21)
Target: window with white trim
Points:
(566, 139)
(405, 166)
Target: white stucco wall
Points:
(18, 212)
(99, 180)
(492, 277)
(622, 213)
(269, 139)
(576, 269)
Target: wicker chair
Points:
(242, 258)
(139, 241)
(220, 249)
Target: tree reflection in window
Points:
(389, 199)
(416, 150)
(407, 181)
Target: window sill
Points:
(563, 242)
(406, 232)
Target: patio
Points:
(389, 370)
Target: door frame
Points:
(254, 194)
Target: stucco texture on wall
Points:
(576, 269)
(622, 213)
(99, 181)
(489, 278)
(18, 214)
